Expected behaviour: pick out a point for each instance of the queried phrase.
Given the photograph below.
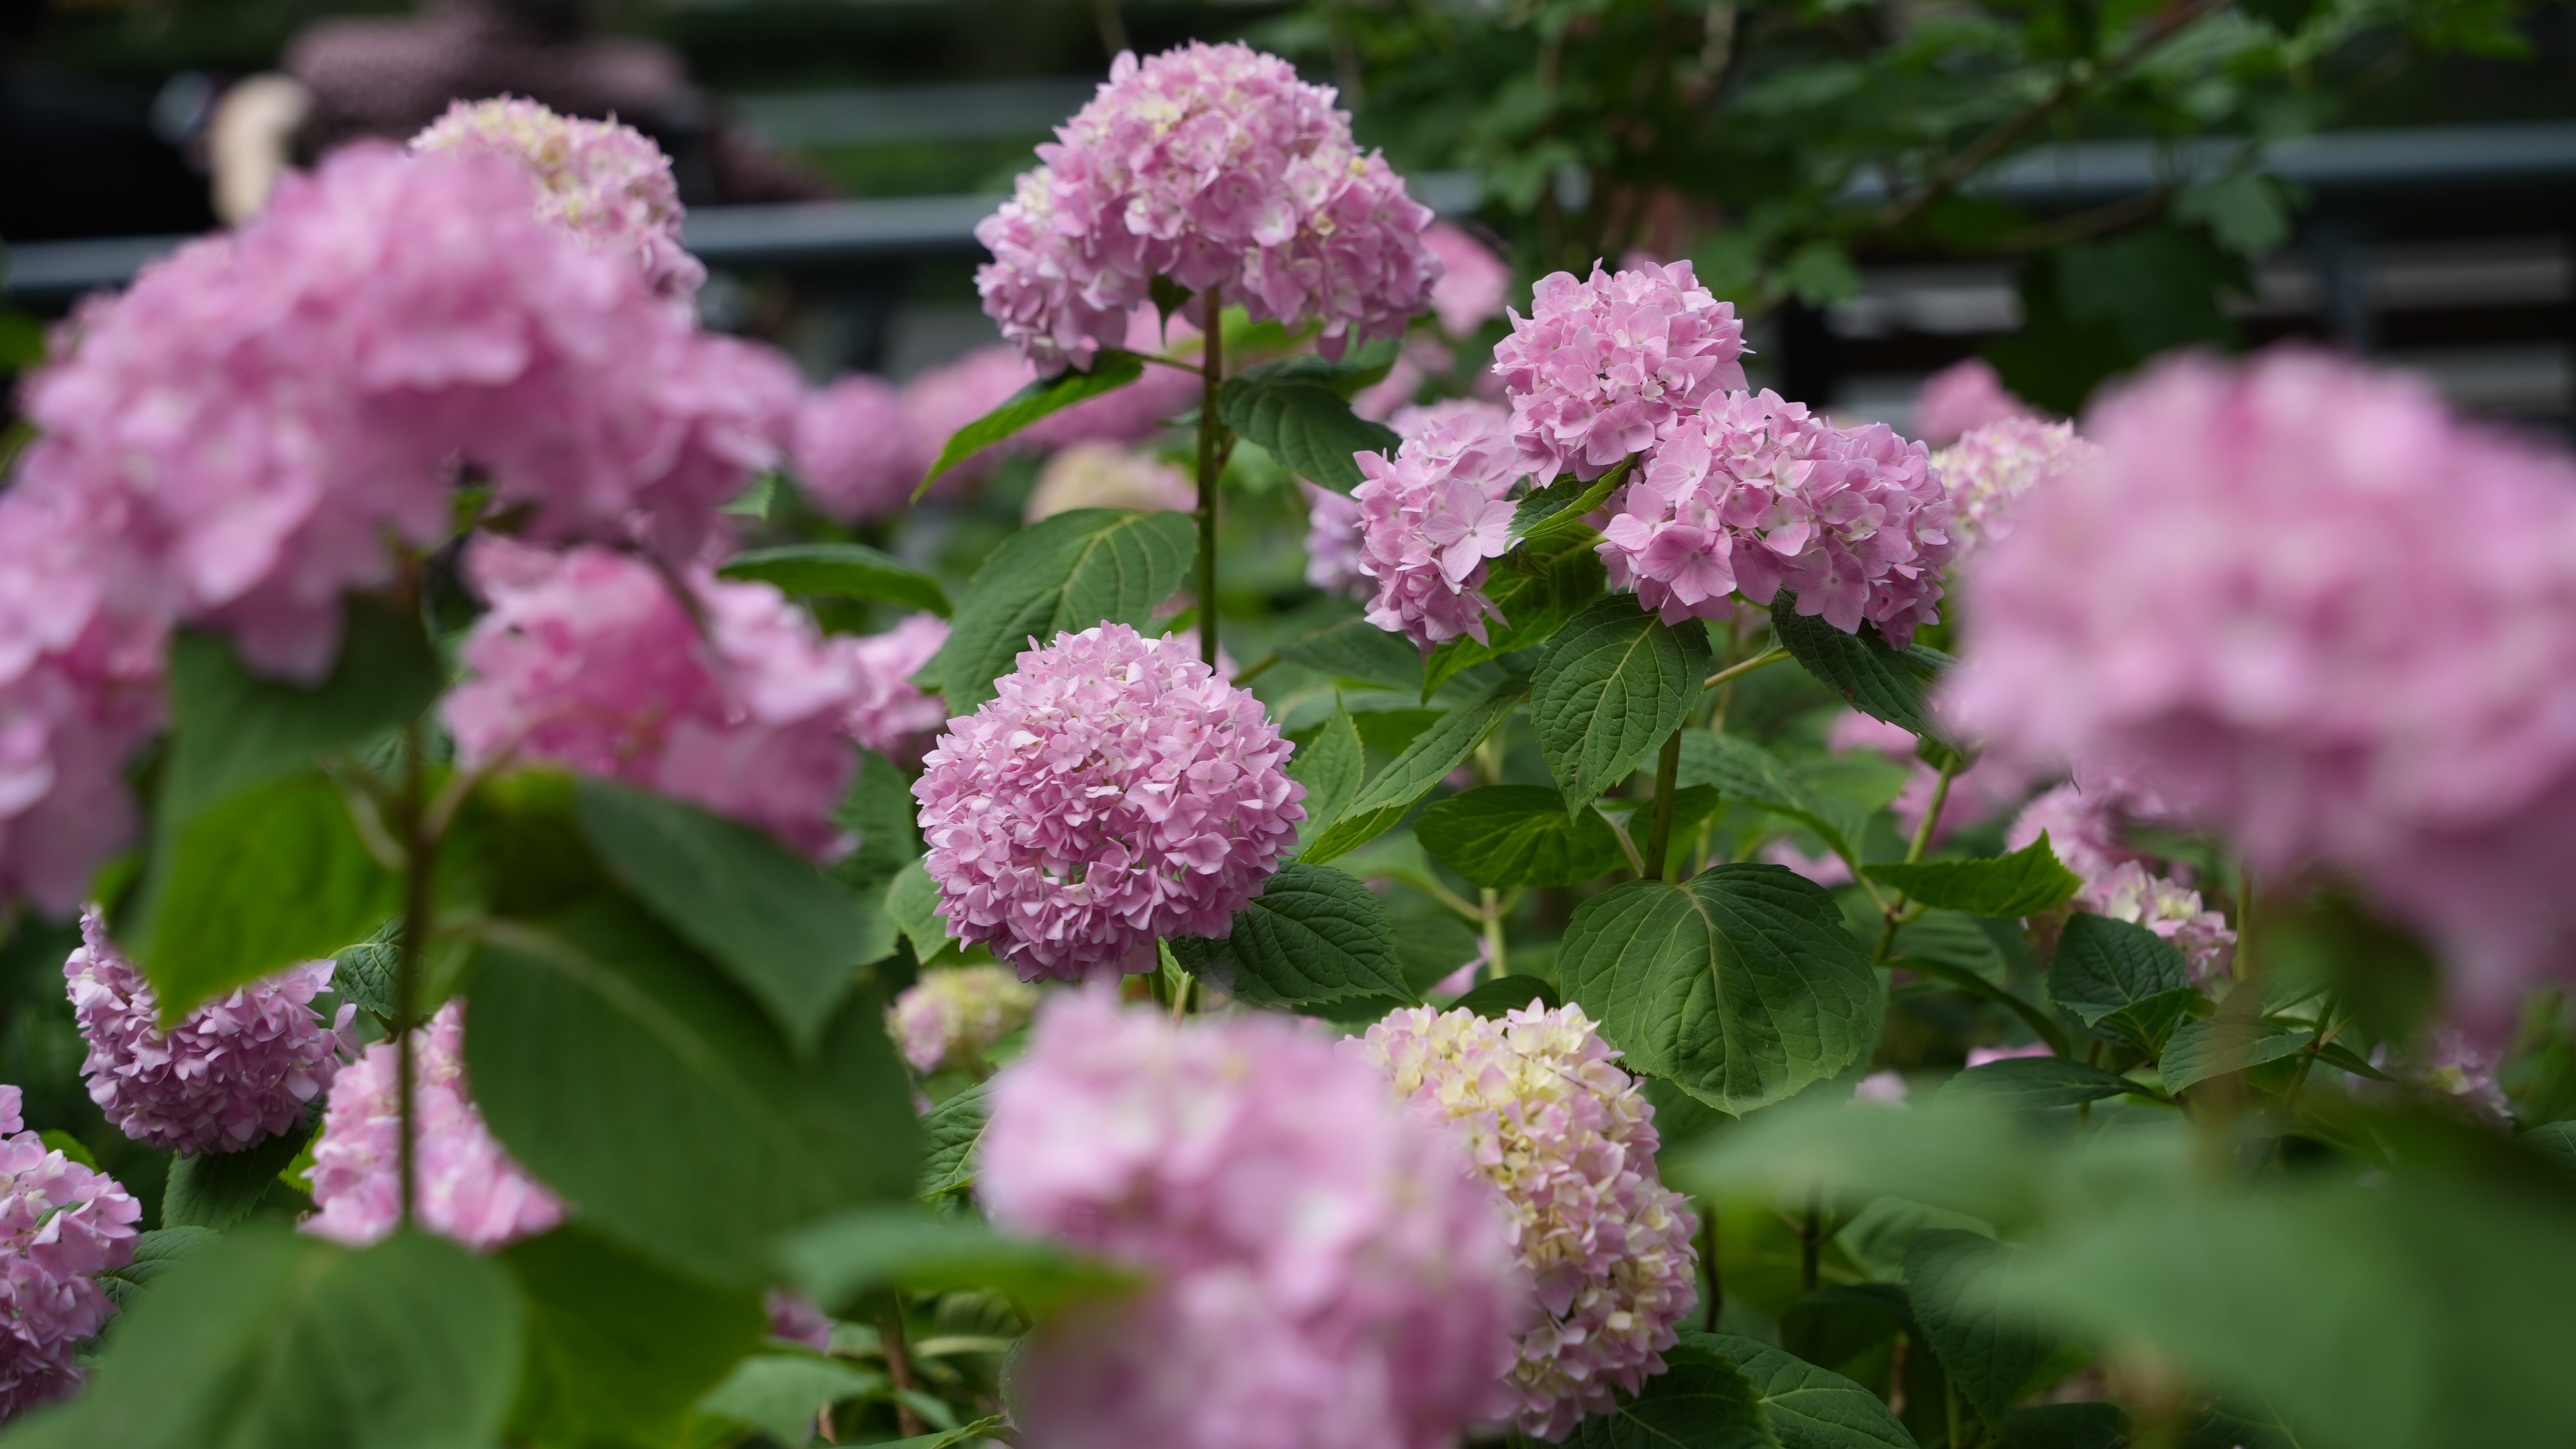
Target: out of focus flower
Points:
(2453, 1071)
(1472, 280)
(855, 450)
(1326, 1270)
(1961, 398)
(1570, 1143)
(587, 660)
(1989, 469)
(466, 1187)
(1104, 475)
(1600, 367)
(1216, 167)
(1112, 792)
(1979, 1056)
(2082, 826)
(235, 1071)
(1333, 542)
(2171, 909)
(887, 712)
(950, 1018)
(2325, 619)
(1886, 1089)
(600, 180)
(1978, 793)
(1828, 870)
(61, 1224)
(1430, 519)
(795, 1318)
(940, 400)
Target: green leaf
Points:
(1538, 586)
(1954, 938)
(1745, 773)
(912, 900)
(1314, 934)
(1518, 835)
(1741, 986)
(1061, 574)
(1804, 1406)
(2064, 1426)
(1357, 649)
(1331, 766)
(72, 1148)
(1948, 1153)
(1875, 679)
(1614, 683)
(844, 570)
(1362, 367)
(1110, 370)
(1700, 1401)
(2200, 1050)
(1957, 1282)
(218, 1190)
(2024, 883)
(1491, 999)
(1307, 425)
(855, 1253)
(2031, 1083)
(2121, 979)
(878, 809)
(949, 1135)
(155, 1253)
(272, 1339)
(618, 1348)
(364, 973)
(2554, 1142)
(780, 1394)
(274, 875)
(1413, 774)
(635, 1080)
(1556, 513)
(780, 928)
(1840, 1321)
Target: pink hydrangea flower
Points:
(1472, 280)
(2451, 1069)
(1431, 517)
(2082, 826)
(1885, 1089)
(887, 712)
(1326, 1271)
(795, 1318)
(61, 1224)
(1963, 397)
(1599, 368)
(2130, 892)
(235, 1071)
(2324, 618)
(1104, 475)
(1989, 469)
(1213, 166)
(1979, 1056)
(854, 449)
(1569, 1142)
(951, 1017)
(602, 181)
(587, 660)
(1333, 549)
(1114, 791)
(466, 1187)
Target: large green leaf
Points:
(2065, 1426)
(1518, 835)
(1305, 423)
(1505, 994)
(1875, 679)
(1806, 1407)
(1747, 774)
(1060, 574)
(1741, 986)
(1958, 1283)
(1314, 934)
(1331, 766)
(1111, 370)
(2200, 1050)
(878, 808)
(2024, 883)
(846, 570)
(2036, 1082)
(618, 1348)
(784, 931)
(950, 1133)
(1411, 775)
(2124, 981)
(1356, 649)
(1538, 586)
(912, 901)
(848, 1255)
(1615, 682)
(780, 1394)
(1700, 1401)
(218, 1189)
(1557, 512)
(633, 1078)
(155, 1254)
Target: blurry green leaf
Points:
(949, 1134)
(1873, 678)
(912, 899)
(2244, 211)
(1745, 773)
(2094, 308)
(2200, 1050)
(1357, 649)
(1308, 425)
(2330, 942)
(1806, 1407)
(845, 570)
(155, 1253)
(218, 1190)
(1363, 366)
(22, 340)
(2123, 980)
(1701, 1401)
(1840, 1321)
(780, 1394)
(1110, 370)
(854, 1253)
(2030, 1083)
(2064, 1426)
(1538, 587)
(878, 809)
(1409, 776)
(1331, 766)
(1517, 835)
(1060, 574)
(1955, 938)
(1491, 999)
(2555, 1142)
(1314, 934)
(1820, 274)
(1948, 1153)
(1958, 1283)
(1615, 682)
(2024, 883)
(618, 1348)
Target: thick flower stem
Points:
(1211, 463)
(898, 1359)
(1659, 836)
(419, 863)
(1493, 914)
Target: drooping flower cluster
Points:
(2212, 609)
(586, 659)
(2083, 829)
(887, 712)
(1431, 518)
(1990, 468)
(1600, 368)
(602, 181)
(60, 1224)
(235, 1071)
(1103, 475)
(466, 1186)
(1112, 792)
(1326, 1270)
(1570, 1142)
(1963, 397)
(950, 1018)
(1213, 166)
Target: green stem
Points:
(1811, 1242)
(1708, 1263)
(1256, 669)
(1211, 463)
(1494, 946)
(1950, 1408)
(1659, 836)
(1978, 986)
(1914, 852)
(418, 866)
(1738, 671)
(899, 1370)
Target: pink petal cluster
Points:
(1216, 167)
(1472, 280)
(1104, 475)
(854, 450)
(1570, 1142)
(1114, 791)
(2082, 826)
(1989, 469)
(60, 1225)
(1431, 517)
(1752, 493)
(731, 700)
(2324, 618)
(2451, 1069)
(1326, 1270)
(602, 181)
(950, 1018)
(466, 1186)
(235, 1071)
(1963, 397)
(1333, 551)
(887, 712)
(1600, 368)
(2130, 892)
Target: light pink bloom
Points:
(1325, 1270)
(855, 450)
(2451, 1069)
(1599, 368)
(1114, 791)
(1988, 470)
(2082, 826)
(1333, 549)
(887, 712)
(795, 1318)
(1104, 475)
(951, 1017)
(1886, 1089)
(1472, 280)
(1963, 397)
(61, 1224)
(1828, 870)
(1979, 1056)
(2130, 892)
(1431, 518)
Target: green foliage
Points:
(155, 1253)
(1110, 370)
(2024, 883)
(1061, 574)
(618, 1348)
(218, 1190)
(1615, 682)
(1313, 935)
(1873, 678)
(2227, 1042)
(847, 1256)
(1294, 409)
(2122, 980)
(842, 570)
(949, 1134)
(1410, 776)
(1492, 999)
(1744, 773)
(1331, 765)
(1356, 649)
(1806, 1407)
(2094, 309)
(1518, 835)
(1700, 1401)
(779, 1394)
(1538, 586)
(1959, 1284)
(2037, 1082)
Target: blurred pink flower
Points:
(1333, 548)
(61, 1225)
(952, 1016)
(1472, 281)
(1600, 367)
(1104, 475)
(855, 450)
(1886, 1089)
(1979, 1056)
(887, 712)
(1989, 469)
(1963, 397)
(602, 181)
(793, 1317)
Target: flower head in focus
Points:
(1327, 1272)
(1600, 367)
(854, 449)
(1112, 792)
(951, 1017)
(235, 1071)
(468, 1188)
(1104, 475)
(61, 1224)
(1431, 517)
(2130, 892)
(1963, 397)
(887, 712)
(1570, 1142)
(604, 182)
(1989, 469)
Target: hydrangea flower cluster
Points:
(1431, 517)
(797, 1319)
(1112, 792)
(235, 1071)
(2452, 1070)
(2083, 829)
(467, 1187)
(60, 1224)
(853, 449)
(1333, 551)
(1979, 793)
(1752, 493)
(2212, 609)
(602, 181)
(887, 712)
(950, 1018)
(1600, 368)
(1989, 469)
(1216, 167)
(1570, 1142)
(1327, 1269)
(1963, 397)
(588, 660)
(1104, 475)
